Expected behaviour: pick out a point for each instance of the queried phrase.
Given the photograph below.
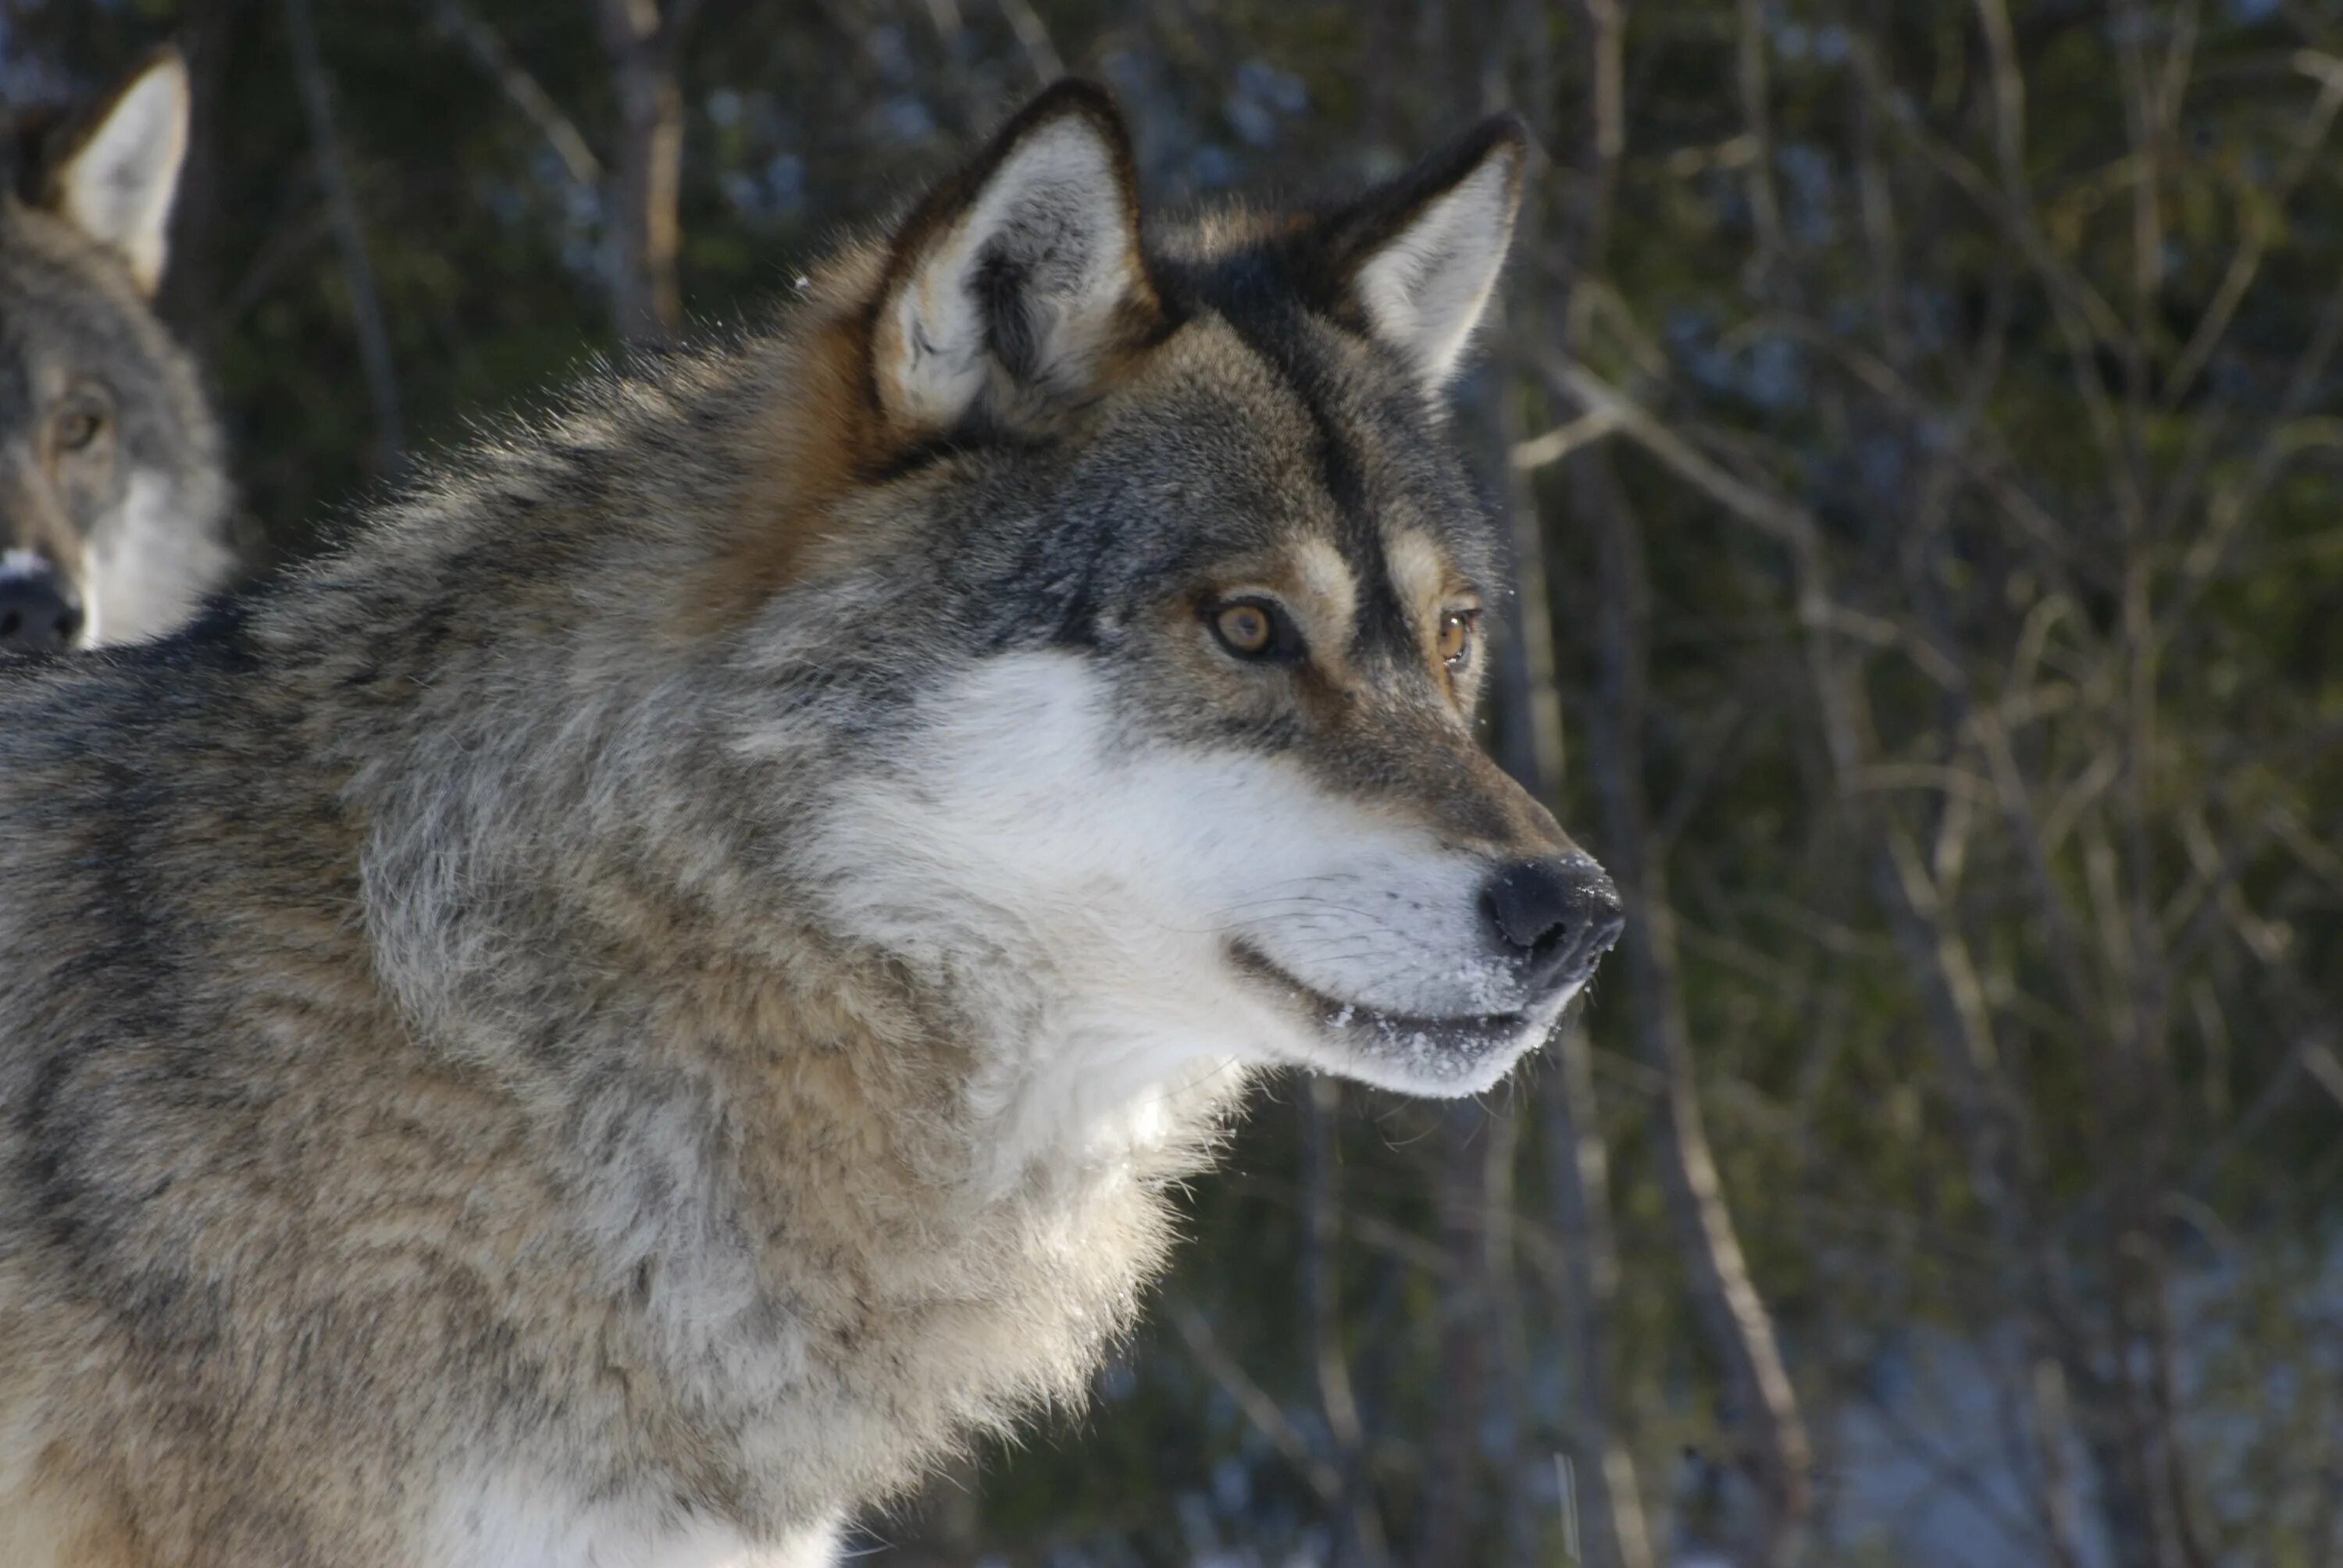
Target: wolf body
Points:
(114, 497)
(625, 1010)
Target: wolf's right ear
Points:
(1016, 280)
(116, 185)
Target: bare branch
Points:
(2259, 218)
(1769, 514)
(1267, 1416)
(487, 51)
(1538, 451)
(1033, 37)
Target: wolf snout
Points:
(38, 614)
(1552, 919)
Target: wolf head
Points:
(1219, 572)
(113, 510)
(1085, 615)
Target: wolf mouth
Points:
(1382, 1031)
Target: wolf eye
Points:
(1255, 628)
(77, 428)
(1457, 631)
(1245, 629)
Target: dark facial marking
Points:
(1248, 293)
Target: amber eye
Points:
(1456, 633)
(1254, 628)
(77, 428)
(1246, 629)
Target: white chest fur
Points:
(506, 1522)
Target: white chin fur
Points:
(1411, 1059)
(1085, 887)
(496, 1519)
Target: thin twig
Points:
(487, 51)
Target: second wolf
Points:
(114, 499)
(623, 1013)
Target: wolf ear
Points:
(1016, 279)
(116, 182)
(1420, 257)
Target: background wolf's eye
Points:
(77, 428)
(1244, 628)
(1456, 630)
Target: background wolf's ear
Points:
(116, 182)
(1017, 279)
(1420, 257)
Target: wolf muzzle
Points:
(39, 612)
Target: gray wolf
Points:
(114, 499)
(624, 1010)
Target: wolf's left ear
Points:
(116, 185)
(1419, 258)
(1012, 284)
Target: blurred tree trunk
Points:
(1453, 1482)
(1509, 1349)
(195, 292)
(366, 319)
(192, 286)
(1763, 1404)
(645, 51)
(1357, 1526)
(1606, 1495)
(1605, 1498)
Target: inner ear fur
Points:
(1415, 262)
(1014, 284)
(115, 179)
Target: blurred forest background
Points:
(1919, 426)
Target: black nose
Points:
(35, 616)
(1553, 919)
